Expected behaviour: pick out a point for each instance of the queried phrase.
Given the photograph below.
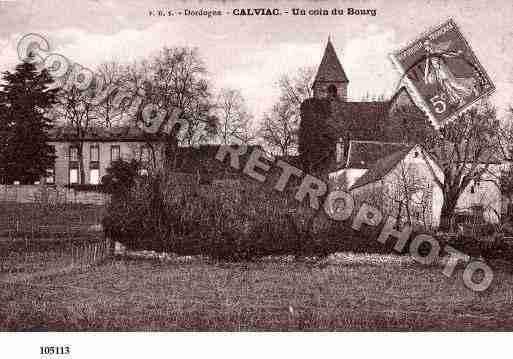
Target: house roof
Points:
(364, 154)
(203, 159)
(330, 69)
(382, 167)
(99, 134)
(365, 119)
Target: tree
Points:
(25, 97)
(120, 177)
(280, 129)
(464, 149)
(112, 78)
(294, 89)
(177, 78)
(407, 196)
(233, 118)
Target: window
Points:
(114, 153)
(73, 175)
(474, 187)
(73, 153)
(50, 176)
(332, 91)
(95, 153)
(145, 154)
(340, 151)
(73, 165)
(94, 176)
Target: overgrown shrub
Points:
(120, 177)
(168, 212)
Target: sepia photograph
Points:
(264, 166)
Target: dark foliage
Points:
(120, 177)
(231, 224)
(25, 154)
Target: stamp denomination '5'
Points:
(443, 71)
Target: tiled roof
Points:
(364, 120)
(330, 69)
(364, 154)
(202, 160)
(381, 168)
(119, 133)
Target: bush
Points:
(172, 213)
(165, 212)
(486, 242)
(120, 177)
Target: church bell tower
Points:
(331, 80)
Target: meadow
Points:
(243, 262)
(198, 294)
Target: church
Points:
(373, 150)
(377, 128)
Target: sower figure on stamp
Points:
(437, 72)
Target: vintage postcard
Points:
(253, 166)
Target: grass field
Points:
(33, 219)
(40, 237)
(146, 295)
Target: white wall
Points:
(348, 176)
(487, 194)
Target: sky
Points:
(250, 53)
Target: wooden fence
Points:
(21, 257)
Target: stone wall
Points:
(50, 194)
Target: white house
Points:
(400, 180)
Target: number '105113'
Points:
(54, 350)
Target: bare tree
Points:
(464, 149)
(294, 89)
(408, 195)
(233, 118)
(178, 80)
(119, 90)
(280, 128)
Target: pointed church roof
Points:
(330, 69)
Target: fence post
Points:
(111, 247)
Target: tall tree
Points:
(25, 97)
(465, 149)
(297, 87)
(233, 118)
(280, 127)
(178, 80)
(112, 109)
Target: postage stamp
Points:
(443, 72)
